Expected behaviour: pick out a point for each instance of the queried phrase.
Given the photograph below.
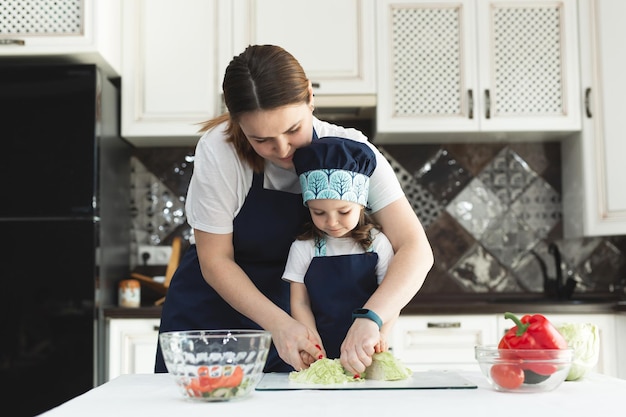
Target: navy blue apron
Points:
(337, 285)
(263, 231)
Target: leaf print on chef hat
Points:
(335, 168)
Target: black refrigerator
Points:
(65, 226)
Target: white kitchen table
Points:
(156, 395)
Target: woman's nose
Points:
(282, 146)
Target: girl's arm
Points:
(301, 311)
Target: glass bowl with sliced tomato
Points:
(524, 370)
(215, 365)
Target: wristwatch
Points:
(365, 313)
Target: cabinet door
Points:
(607, 363)
(594, 202)
(170, 74)
(86, 30)
(476, 66)
(132, 346)
(334, 41)
(528, 65)
(442, 342)
(426, 66)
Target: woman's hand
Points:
(297, 344)
(359, 346)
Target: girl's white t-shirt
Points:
(302, 252)
(221, 181)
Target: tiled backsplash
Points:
(486, 209)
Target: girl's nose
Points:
(331, 220)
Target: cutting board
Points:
(419, 380)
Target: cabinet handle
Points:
(487, 105)
(444, 325)
(470, 104)
(11, 42)
(155, 328)
(315, 85)
(587, 102)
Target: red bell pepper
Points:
(209, 380)
(533, 332)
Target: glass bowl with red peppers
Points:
(531, 357)
(215, 365)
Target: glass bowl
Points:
(215, 365)
(524, 370)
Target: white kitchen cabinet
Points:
(80, 30)
(620, 342)
(175, 53)
(594, 202)
(607, 363)
(131, 346)
(443, 342)
(171, 73)
(476, 66)
(334, 41)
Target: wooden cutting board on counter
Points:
(419, 380)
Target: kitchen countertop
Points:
(157, 395)
(444, 308)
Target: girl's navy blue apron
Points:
(263, 231)
(337, 285)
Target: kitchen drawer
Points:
(443, 342)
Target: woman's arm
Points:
(216, 256)
(406, 273)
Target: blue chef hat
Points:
(335, 168)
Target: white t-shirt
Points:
(302, 252)
(221, 181)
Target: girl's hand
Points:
(359, 346)
(307, 358)
(382, 345)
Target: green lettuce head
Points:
(584, 338)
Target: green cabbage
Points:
(329, 371)
(584, 339)
(386, 367)
(323, 371)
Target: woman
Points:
(245, 208)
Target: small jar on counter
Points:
(129, 293)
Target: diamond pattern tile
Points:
(443, 176)
(480, 272)
(507, 176)
(475, 208)
(539, 206)
(508, 239)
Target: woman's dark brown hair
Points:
(263, 77)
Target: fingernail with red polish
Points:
(320, 357)
(357, 376)
(319, 347)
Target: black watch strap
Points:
(365, 313)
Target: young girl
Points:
(336, 265)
